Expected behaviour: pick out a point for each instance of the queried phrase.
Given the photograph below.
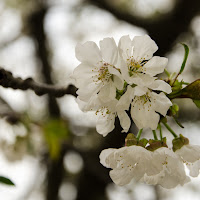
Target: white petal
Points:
(125, 121)
(160, 103)
(125, 47)
(118, 82)
(125, 100)
(88, 91)
(143, 48)
(117, 78)
(143, 80)
(139, 91)
(155, 65)
(83, 74)
(125, 72)
(144, 114)
(109, 50)
(160, 86)
(121, 177)
(105, 124)
(104, 158)
(93, 104)
(107, 92)
(194, 168)
(189, 153)
(88, 53)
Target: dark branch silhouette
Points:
(8, 81)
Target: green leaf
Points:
(55, 132)
(6, 181)
(197, 103)
(191, 91)
(185, 57)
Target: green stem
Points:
(160, 129)
(170, 130)
(139, 134)
(174, 95)
(154, 134)
(167, 73)
(185, 83)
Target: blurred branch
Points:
(164, 30)
(55, 168)
(8, 81)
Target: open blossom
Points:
(171, 169)
(97, 72)
(127, 163)
(146, 104)
(106, 112)
(137, 60)
(161, 166)
(190, 155)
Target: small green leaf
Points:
(55, 132)
(192, 90)
(185, 57)
(197, 103)
(6, 181)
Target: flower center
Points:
(103, 74)
(135, 67)
(144, 102)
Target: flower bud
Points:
(179, 142)
(130, 140)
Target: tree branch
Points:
(8, 81)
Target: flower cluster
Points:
(160, 165)
(112, 78)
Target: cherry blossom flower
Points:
(161, 166)
(97, 72)
(106, 112)
(145, 103)
(137, 60)
(127, 163)
(170, 167)
(190, 155)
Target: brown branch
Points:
(8, 81)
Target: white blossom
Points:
(106, 112)
(161, 166)
(146, 104)
(137, 60)
(127, 163)
(190, 155)
(97, 72)
(170, 167)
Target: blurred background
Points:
(48, 147)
